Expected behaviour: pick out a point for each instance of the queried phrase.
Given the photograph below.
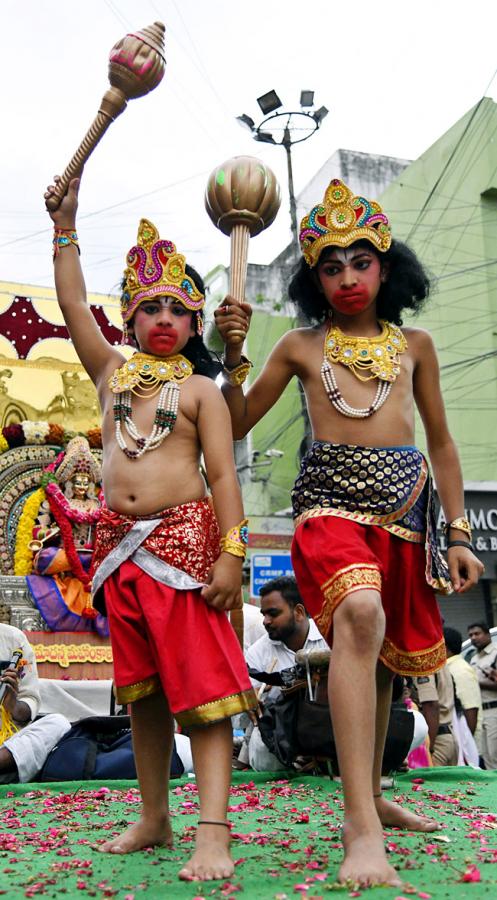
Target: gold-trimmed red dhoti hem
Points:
(342, 583)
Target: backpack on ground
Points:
(97, 748)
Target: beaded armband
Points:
(62, 237)
(461, 523)
(235, 377)
(236, 539)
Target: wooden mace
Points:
(242, 199)
(136, 66)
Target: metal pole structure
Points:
(287, 143)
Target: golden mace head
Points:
(137, 62)
(242, 191)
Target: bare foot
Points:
(144, 833)
(394, 816)
(365, 860)
(212, 858)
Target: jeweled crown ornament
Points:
(156, 268)
(340, 220)
(136, 66)
(78, 458)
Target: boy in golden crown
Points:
(364, 551)
(166, 575)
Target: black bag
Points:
(98, 748)
(292, 725)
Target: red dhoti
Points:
(164, 635)
(341, 545)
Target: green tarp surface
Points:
(286, 840)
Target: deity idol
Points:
(63, 542)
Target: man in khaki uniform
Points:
(435, 698)
(466, 684)
(485, 664)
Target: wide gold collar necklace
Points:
(367, 357)
(144, 375)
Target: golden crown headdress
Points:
(341, 219)
(155, 268)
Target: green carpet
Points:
(286, 840)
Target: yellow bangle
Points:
(235, 540)
(235, 377)
(461, 524)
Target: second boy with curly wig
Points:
(364, 551)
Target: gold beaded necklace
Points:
(145, 376)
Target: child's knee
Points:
(360, 618)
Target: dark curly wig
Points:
(203, 361)
(407, 285)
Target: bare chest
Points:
(348, 409)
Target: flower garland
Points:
(27, 432)
(35, 432)
(80, 516)
(68, 542)
(23, 556)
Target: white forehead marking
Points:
(345, 254)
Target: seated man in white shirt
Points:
(289, 629)
(24, 742)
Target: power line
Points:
(98, 212)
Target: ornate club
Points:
(242, 199)
(136, 66)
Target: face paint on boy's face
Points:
(162, 326)
(350, 279)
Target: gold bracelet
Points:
(235, 540)
(462, 524)
(235, 377)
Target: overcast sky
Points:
(395, 75)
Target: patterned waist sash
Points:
(176, 547)
(385, 486)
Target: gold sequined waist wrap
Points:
(187, 537)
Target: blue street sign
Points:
(265, 567)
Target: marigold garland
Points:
(23, 556)
(55, 434)
(3, 444)
(94, 437)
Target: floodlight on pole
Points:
(265, 137)
(307, 98)
(320, 114)
(269, 102)
(246, 121)
(286, 128)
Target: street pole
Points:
(287, 143)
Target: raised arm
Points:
(214, 430)
(247, 409)
(96, 354)
(465, 569)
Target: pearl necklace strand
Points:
(335, 397)
(164, 420)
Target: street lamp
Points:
(287, 127)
